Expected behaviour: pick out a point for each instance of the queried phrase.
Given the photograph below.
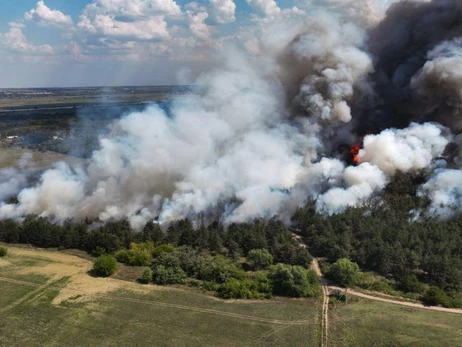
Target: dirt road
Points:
(402, 303)
(325, 304)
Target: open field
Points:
(48, 299)
(370, 323)
(62, 97)
(11, 157)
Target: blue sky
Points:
(88, 42)
(125, 42)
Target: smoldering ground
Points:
(267, 130)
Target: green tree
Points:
(153, 232)
(259, 259)
(344, 272)
(105, 265)
(295, 281)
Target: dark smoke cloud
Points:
(417, 51)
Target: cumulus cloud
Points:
(132, 9)
(222, 11)
(150, 29)
(43, 15)
(128, 20)
(267, 7)
(15, 40)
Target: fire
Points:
(354, 150)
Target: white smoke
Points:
(445, 192)
(258, 139)
(404, 150)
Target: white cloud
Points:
(222, 11)
(197, 25)
(133, 8)
(43, 15)
(152, 28)
(268, 7)
(128, 19)
(14, 40)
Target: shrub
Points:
(410, 284)
(167, 260)
(3, 251)
(168, 275)
(251, 288)
(436, 297)
(259, 259)
(344, 272)
(210, 286)
(295, 281)
(146, 277)
(105, 265)
(164, 248)
(133, 257)
(208, 268)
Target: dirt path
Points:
(327, 287)
(402, 303)
(325, 304)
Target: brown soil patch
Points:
(76, 268)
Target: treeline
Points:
(251, 260)
(385, 239)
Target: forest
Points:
(397, 248)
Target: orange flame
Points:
(354, 150)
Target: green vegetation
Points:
(146, 277)
(3, 251)
(144, 317)
(344, 272)
(105, 265)
(295, 281)
(259, 259)
(209, 258)
(388, 239)
(370, 323)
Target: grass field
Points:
(10, 157)
(370, 323)
(48, 299)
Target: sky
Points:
(64, 43)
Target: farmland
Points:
(371, 323)
(49, 299)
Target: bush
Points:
(410, 284)
(436, 297)
(169, 275)
(208, 268)
(167, 260)
(250, 288)
(133, 257)
(295, 281)
(345, 272)
(258, 259)
(105, 265)
(3, 251)
(165, 248)
(146, 277)
(167, 270)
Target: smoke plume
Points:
(270, 129)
